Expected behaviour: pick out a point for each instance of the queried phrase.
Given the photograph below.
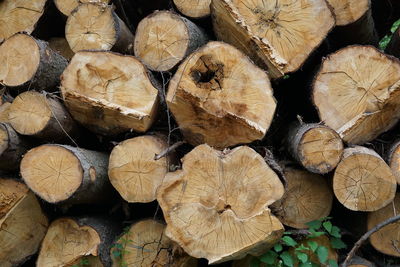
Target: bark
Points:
(97, 27)
(30, 64)
(219, 97)
(23, 225)
(193, 9)
(60, 173)
(61, 46)
(110, 93)
(277, 36)
(363, 181)
(393, 159)
(357, 101)
(164, 38)
(221, 197)
(12, 148)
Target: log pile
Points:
(185, 133)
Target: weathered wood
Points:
(30, 63)
(393, 159)
(109, 93)
(4, 108)
(357, 101)
(360, 262)
(221, 194)
(164, 38)
(67, 6)
(12, 148)
(193, 8)
(275, 34)
(363, 181)
(60, 173)
(23, 225)
(149, 246)
(94, 26)
(61, 46)
(219, 97)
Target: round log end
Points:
(193, 8)
(67, 6)
(347, 11)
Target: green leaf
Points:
(286, 77)
(306, 264)
(315, 225)
(337, 243)
(328, 226)
(254, 262)
(315, 233)
(322, 253)
(269, 257)
(302, 247)
(287, 233)
(303, 257)
(278, 247)
(313, 245)
(335, 232)
(395, 25)
(332, 263)
(289, 241)
(287, 259)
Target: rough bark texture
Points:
(110, 93)
(23, 225)
(67, 6)
(276, 35)
(193, 8)
(216, 207)
(363, 181)
(12, 148)
(60, 173)
(37, 115)
(164, 38)
(219, 97)
(316, 147)
(357, 101)
(29, 63)
(94, 26)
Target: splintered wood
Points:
(216, 207)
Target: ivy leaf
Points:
(335, 232)
(322, 253)
(337, 243)
(332, 263)
(287, 259)
(254, 263)
(314, 225)
(328, 226)
(302, 248)
(269, 257)
(278, 247)
(315, 233)
(313, 245)
(289, 241)
(303, 257)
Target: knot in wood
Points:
(208, 73)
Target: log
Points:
(308, 197)
(94, 26)
(109, 93)
(61, 46)
(134, 172)
(164, 38)
(393, 159)
(29, 63)
(19, 16)
(145, 244)
(23, 225)
(12, 148)
(219, 97)
(274, 34)
(42, 116)
(316, 147)
(67, 6)
(387, 239)
(357, 101)
(193, 8)
(354, 22)
(61, 173)
(363, 181)
(216, 207)
(71, 240)
(4, 108)
(360, 262)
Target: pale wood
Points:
(219, 97)
(164, 38)
(109, 93)
(149, 246)
(29, 63)
(363, 181)
(193, 8)
(60, 173)
(316, 147)
(61, 46)
(19, 16)
(12, 148)
(278, 35)
(23, 225)
(308, 197)
(69, 240)
(4, 108)
(134, 172)
(357, 101)
(216, 207)
(67, 6)
(42, 116)
(94, 26)
(393, 159)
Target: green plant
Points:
(118, 249)
(82, 263)
(386, 39)
(289, 252)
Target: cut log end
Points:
(4, 109)
(193, 8)
(347, 11)
(394, 160)
(67, 6)
(357, 101)
(219, 97)
(221, 194)
(363, 181)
